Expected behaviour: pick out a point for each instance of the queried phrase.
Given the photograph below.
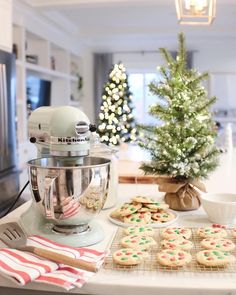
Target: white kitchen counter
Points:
(107, 282)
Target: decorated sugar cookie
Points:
(145, 209)
(157, 206)
(214, 258)
(129, 208)
(210, 232)
(138, 218)
(128, 256)
(176, 232)
(163, 216)
(139, 230)
(137, 242)
(173, 258)
(218, 244)
(140, 199)
(177, 243)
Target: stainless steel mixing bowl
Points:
(70, 191)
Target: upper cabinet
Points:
(6, 25)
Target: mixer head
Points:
(60, 131)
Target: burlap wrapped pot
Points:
(181, 195)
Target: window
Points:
(142, 98)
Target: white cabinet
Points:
(6, 25)
(41, 58)
(38, 57)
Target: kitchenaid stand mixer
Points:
(69, 188)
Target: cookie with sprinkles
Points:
(163, 216)
(218, 244)
(211, 232)
(138, 218)
(139, 230)
(128, 256)
(176, 232)
(177, 243)
(157, 206)
(128, 208)
(173, 257)
(214, 258)
(137, 242)
(140, 199)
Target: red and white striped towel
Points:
(24, 267)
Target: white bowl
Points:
(220, 207)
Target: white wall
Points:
(6, 25)
(217, 57)
(87, 99)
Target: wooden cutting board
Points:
(129, 172)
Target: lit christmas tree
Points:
(116, 121)
(182, 148)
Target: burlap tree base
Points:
(181, 195)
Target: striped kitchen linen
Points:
(24, 267)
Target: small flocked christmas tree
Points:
(116, 120)
(182, 147)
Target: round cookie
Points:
(173, 257)
(128, 257)
(157, 206)
(140, 199)
(144, 209)
(177, 243)
(128, 208)
(210, 232)
(214, 258)
(139, 230)
(163, 216)
(138, 218)
(176, 232)
(137, 242)
(218, 244)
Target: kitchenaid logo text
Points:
(69, 140)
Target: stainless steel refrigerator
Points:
(9, 174)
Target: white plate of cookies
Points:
(141, 211)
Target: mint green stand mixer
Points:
(69, 187)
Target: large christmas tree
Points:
(116, 120)
(182, 147)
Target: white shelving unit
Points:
(50, 62)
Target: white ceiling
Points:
(120, 25)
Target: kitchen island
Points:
(111, 282)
